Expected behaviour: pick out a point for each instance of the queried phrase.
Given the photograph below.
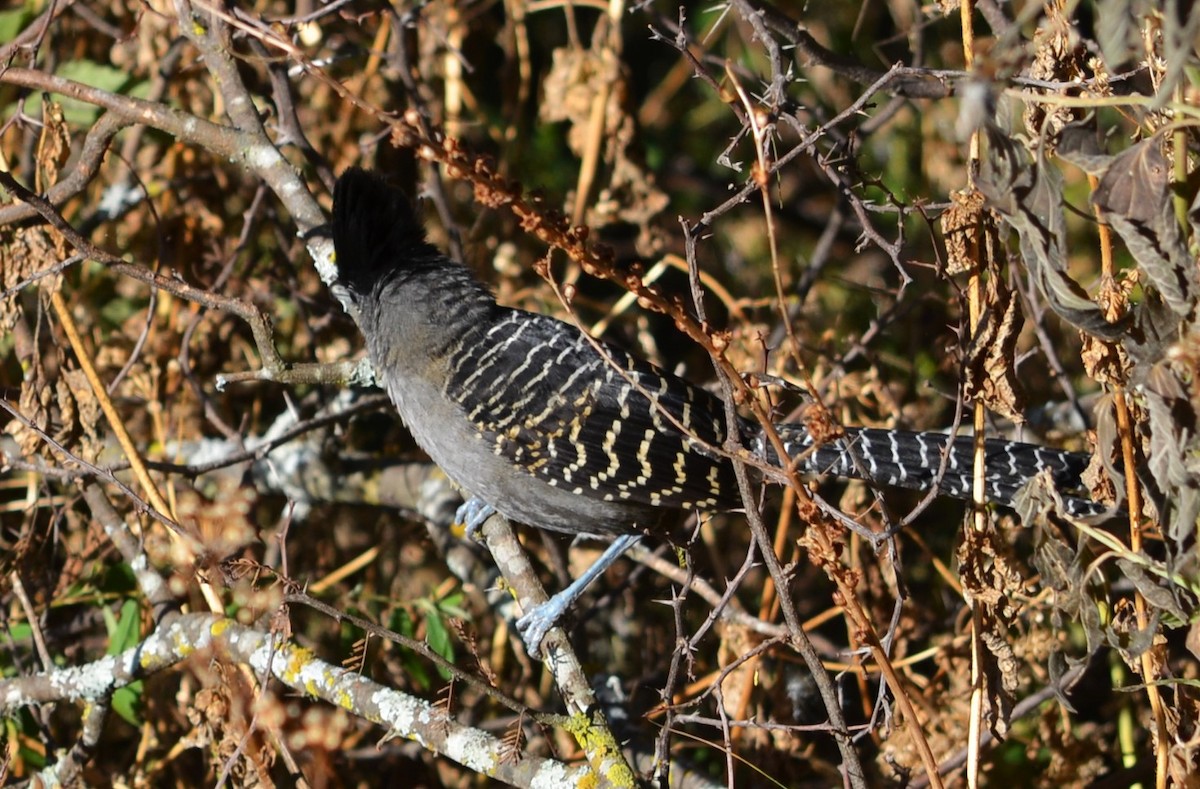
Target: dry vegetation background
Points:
(223, 564)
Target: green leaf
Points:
(402, 622)
(124, 633)
(119, 579)
(19, 723)
(116, 311)
(96, 75)
(21, 631)
(416, 671)
(12, 22)
(452, 605)
(415, 666)
(438, 638)
(127, 702)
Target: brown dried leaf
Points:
(68, 414)
(1002, 674)
(54, 146)
(1183, 756)
(989, 370)
(23, 252)
(1173, 460)
(15, 266)
(575, 78)
(990, 582)
(1076, 594)
(34, 403)
(1029, 196)
(85, 410)
(1135, 195)
(1193, 639)
(1104, 361)
(1101, 476)
(988, 577)
(1058, 57)
(578, 79)
(962, 226)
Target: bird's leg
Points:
(534, 624)
(473, 513)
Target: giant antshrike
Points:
(560, 431)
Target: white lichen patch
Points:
(401, 713)
(472, 748)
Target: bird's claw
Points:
(473, 513)
(534, 625)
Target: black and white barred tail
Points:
(905, 459)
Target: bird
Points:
(552, 428)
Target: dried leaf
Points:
(1104, 361)
(1002, 675)
(23, 252)
(222, 525)
(1135, 195)
(1124, 635)
(989, 579)
(34, 403)
(576, 81)
(85, 413)
(1104, 481)
(1174, 457)
(1183, 758)
(1159, 597)
(990, 582)
(1076, 594)
(1079, 144)
(1029, 196)
(1057, 57)
(989, 370)
(54, 145)
(962, 226)
(1116, 30)
(1193, 639)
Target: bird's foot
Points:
(472, 515)
(534, 625)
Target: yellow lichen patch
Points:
(598, 743)
(298, 659)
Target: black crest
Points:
(376, 232)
